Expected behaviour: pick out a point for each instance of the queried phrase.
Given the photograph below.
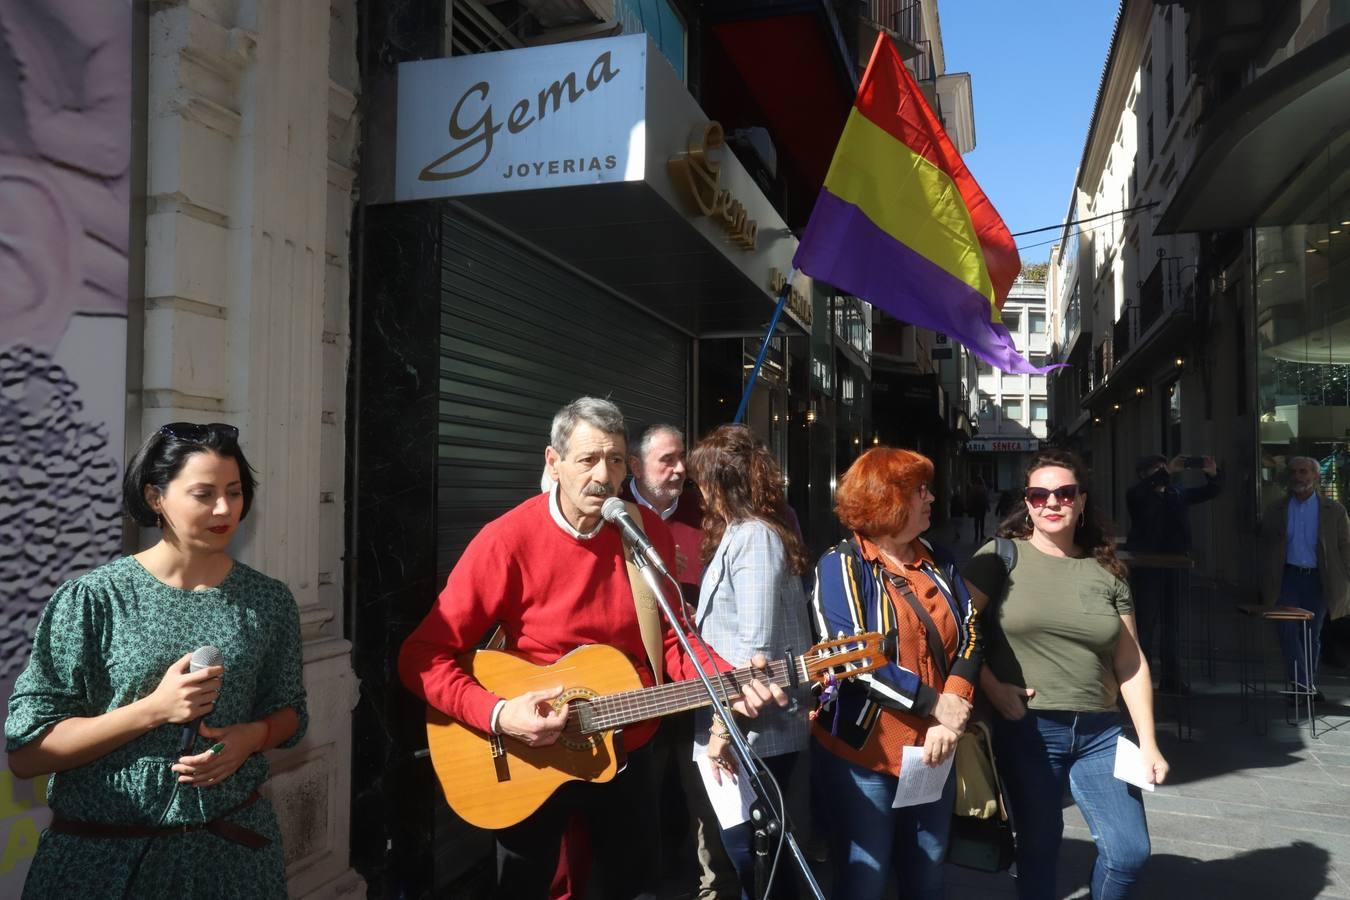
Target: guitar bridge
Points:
(499, 758)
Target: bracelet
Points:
(719, 728)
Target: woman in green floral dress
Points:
(108, 689)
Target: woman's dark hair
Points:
(1093, 532)
(740, 479)
(163, 455)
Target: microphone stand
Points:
(762, 814)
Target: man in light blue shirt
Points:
(1307, 564)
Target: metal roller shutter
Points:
(521, 336)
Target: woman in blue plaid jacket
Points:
(750, 601)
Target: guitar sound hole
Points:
(579, 735)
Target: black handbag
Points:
(985, 845)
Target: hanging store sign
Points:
(1003, 445)
(697, 176)
(799, 301)
(542, 117)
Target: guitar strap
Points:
(648, 613)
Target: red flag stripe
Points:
(890, 98)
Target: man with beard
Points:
(1304, 544)
(659, 483)
(553, 578)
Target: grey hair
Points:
(649, 435)
(1316, 466)
(602, 415)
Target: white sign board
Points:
(542, 117)
(1002, 445)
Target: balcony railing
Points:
(1102, 362)
(904, 17)
(1162, 292)
(922, 66)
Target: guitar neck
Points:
(617, 710)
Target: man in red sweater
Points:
(553, 577)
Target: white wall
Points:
(251, 148)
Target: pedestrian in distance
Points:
(145, 803)
(1062, 652)
(1304, 543)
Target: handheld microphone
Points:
(616, 513)
(202, 658)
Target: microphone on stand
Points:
(615, 512)
(202, 658)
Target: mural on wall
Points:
(65, 155)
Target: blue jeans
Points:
(868, 838)
(1041, 754)
(739, 842)
(1304, 590)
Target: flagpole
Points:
(763, 349)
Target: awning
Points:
(1256, 163)
(788, 65)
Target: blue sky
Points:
(1034, 70)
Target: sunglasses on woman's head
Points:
(1039, 496)
(196, 432)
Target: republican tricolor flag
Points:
(902, 224)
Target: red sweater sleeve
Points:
(464, 612)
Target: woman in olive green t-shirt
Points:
(1061, 651)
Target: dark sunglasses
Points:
(196, 432)
(1038, 497)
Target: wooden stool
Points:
(1300, 691)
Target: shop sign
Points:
(554, 116)
(798, 303)
(1003, 445)
(942, 348)
(697, 177)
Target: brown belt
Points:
(237, 834)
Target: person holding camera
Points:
(1160, 523)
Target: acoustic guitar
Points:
(494, 781)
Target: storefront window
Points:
(1303, 340)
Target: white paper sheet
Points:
(920, 783)
(732, 798)
(1130, 764)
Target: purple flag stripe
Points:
(843, 247)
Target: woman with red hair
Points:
(885, 578)
(750, 601)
